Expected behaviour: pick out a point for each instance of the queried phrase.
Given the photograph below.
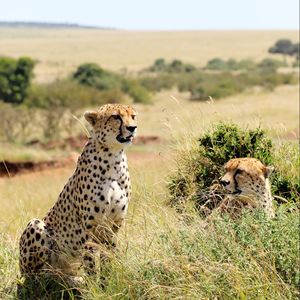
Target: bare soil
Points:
(8, 168)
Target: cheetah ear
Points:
(268, 171)
(91, 117)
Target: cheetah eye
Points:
(117, 117)
(133, 117)
(239, 171)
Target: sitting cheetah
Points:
(246, 180)
(93, 203)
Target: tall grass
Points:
(162, 255)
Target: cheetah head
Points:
(246, 177)
(114, 125)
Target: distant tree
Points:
(176, 66)
(295, 50)
(15, 77)
(285, 47)
(159, 65)
(282, 46)
(216, 64)
(94, 76)
(270, 65)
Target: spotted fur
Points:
(247, 182)
(93, 203)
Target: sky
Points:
(158, 14)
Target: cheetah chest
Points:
(111, 201)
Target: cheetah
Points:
(247, 182)
(92, 205)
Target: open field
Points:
(172, 114)
(163, 254)
(173, 118)
(59, 52)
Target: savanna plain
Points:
(162, 253)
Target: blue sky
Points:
(158, 14)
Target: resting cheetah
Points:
(93, 203)
(247, 181)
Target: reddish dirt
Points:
(293, 135)
(79, 141)
(8, 168)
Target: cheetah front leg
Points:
(35, 247)
(98, 249)
(89, 257)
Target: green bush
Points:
(64, 93)
(94, 76)
(231, 64)
(113, 84)
(216, 64)
(158, 83)
(136, 91)
(202, 85)
(159, 65)
(15, 77)
(175, 66)
(203, 165)
(270, 65)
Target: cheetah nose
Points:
(224, 182)
(131, 128)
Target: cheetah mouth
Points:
(237, 192)
(123, 140)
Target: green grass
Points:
(162, 255)
(19, 153)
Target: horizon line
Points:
(74, 25)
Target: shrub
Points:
(203, 166)
(229, 65)
(175, 66)
(16, 122)
(15, 77)
(246, 64)
(64, 93)
(158, 82)
(136, 91)
(113, 85)
(94, 76)
(159, 65)
(202, 85)
(270, 65)
(216, 64)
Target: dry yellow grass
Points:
(61, 51)
(277, 112)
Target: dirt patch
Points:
(77, 142)
(292, 135)
(147, 139)
(72, 144)
(8, 168)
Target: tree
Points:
(282, 46)
(285, 47)
(159, 65)
(94, 76)
(15, 77)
